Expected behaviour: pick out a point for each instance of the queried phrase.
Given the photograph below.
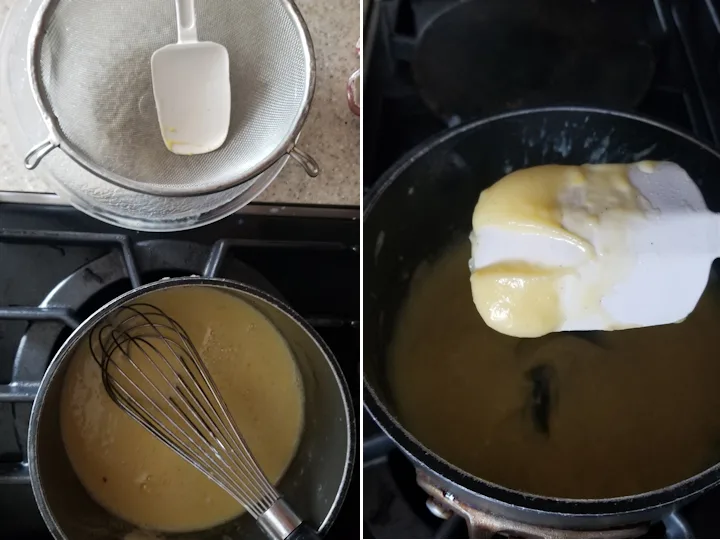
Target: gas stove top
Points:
(57, 266)
(425, 70)
(432, 64)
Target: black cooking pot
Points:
(425, 202)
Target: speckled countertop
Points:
(331, 134)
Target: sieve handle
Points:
(308, 163)
(187, 25)
(36, 154)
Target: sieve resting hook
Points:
(36, 154)
(308, 163)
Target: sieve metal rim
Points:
(56, 139)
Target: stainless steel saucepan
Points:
(315, 484)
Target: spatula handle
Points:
(187, 27)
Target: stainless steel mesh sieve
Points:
(89, 68)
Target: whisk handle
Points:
(279, 522)
(304, 532)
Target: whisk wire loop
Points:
(152, 370)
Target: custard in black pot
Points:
(576, 430)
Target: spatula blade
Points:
(191, 84)
(663, 257)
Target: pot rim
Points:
(61, 357)
(426, 459)
(419, 150)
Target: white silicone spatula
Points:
(191, 84)
(664, 259)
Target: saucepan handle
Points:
(484, 524)
(353, 91)
(352, 97)
(304, 532)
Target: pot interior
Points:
(314, 484)
(425, 204)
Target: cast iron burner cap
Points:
(478, 58)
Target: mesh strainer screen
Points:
(93, 64)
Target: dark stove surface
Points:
(432, 64)
(55, 257)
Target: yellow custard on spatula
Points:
(545, 241)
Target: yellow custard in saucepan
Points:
(133, 475)
(579, 415)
